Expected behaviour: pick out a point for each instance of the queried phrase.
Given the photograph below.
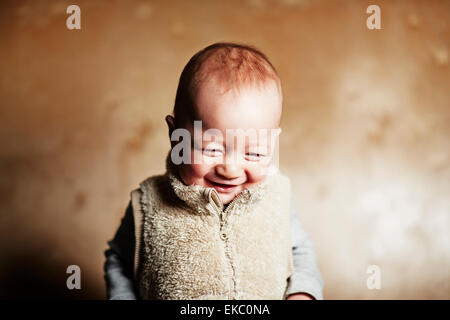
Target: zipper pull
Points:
(223, 233)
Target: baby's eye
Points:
(254, 156)
(212, 152)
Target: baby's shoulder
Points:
(153, 184)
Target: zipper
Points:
(223, 215)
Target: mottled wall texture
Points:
(366, 134)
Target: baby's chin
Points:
(226, 198)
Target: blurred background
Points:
(366, 134)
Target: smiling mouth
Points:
(223, 187)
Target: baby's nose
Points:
(229, 171)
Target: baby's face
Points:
(235, 162)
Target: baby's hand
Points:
(300, 296)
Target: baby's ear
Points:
(170, 123)
(277, 131)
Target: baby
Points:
(220, 223)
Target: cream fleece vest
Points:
(188, 247)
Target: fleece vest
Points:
(189, 247)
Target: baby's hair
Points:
(232, 65)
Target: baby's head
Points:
(231, 89)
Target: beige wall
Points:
(365, 131)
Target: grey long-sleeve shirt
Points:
(120, 257)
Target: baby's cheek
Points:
(256, 173)
(193, 173)
(199, 170)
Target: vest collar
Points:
(203, 199)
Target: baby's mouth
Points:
(223, 188)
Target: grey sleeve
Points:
(306, 277)
(118, 266)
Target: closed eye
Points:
(212, 152)
(254, 156)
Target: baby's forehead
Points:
(215, 103)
